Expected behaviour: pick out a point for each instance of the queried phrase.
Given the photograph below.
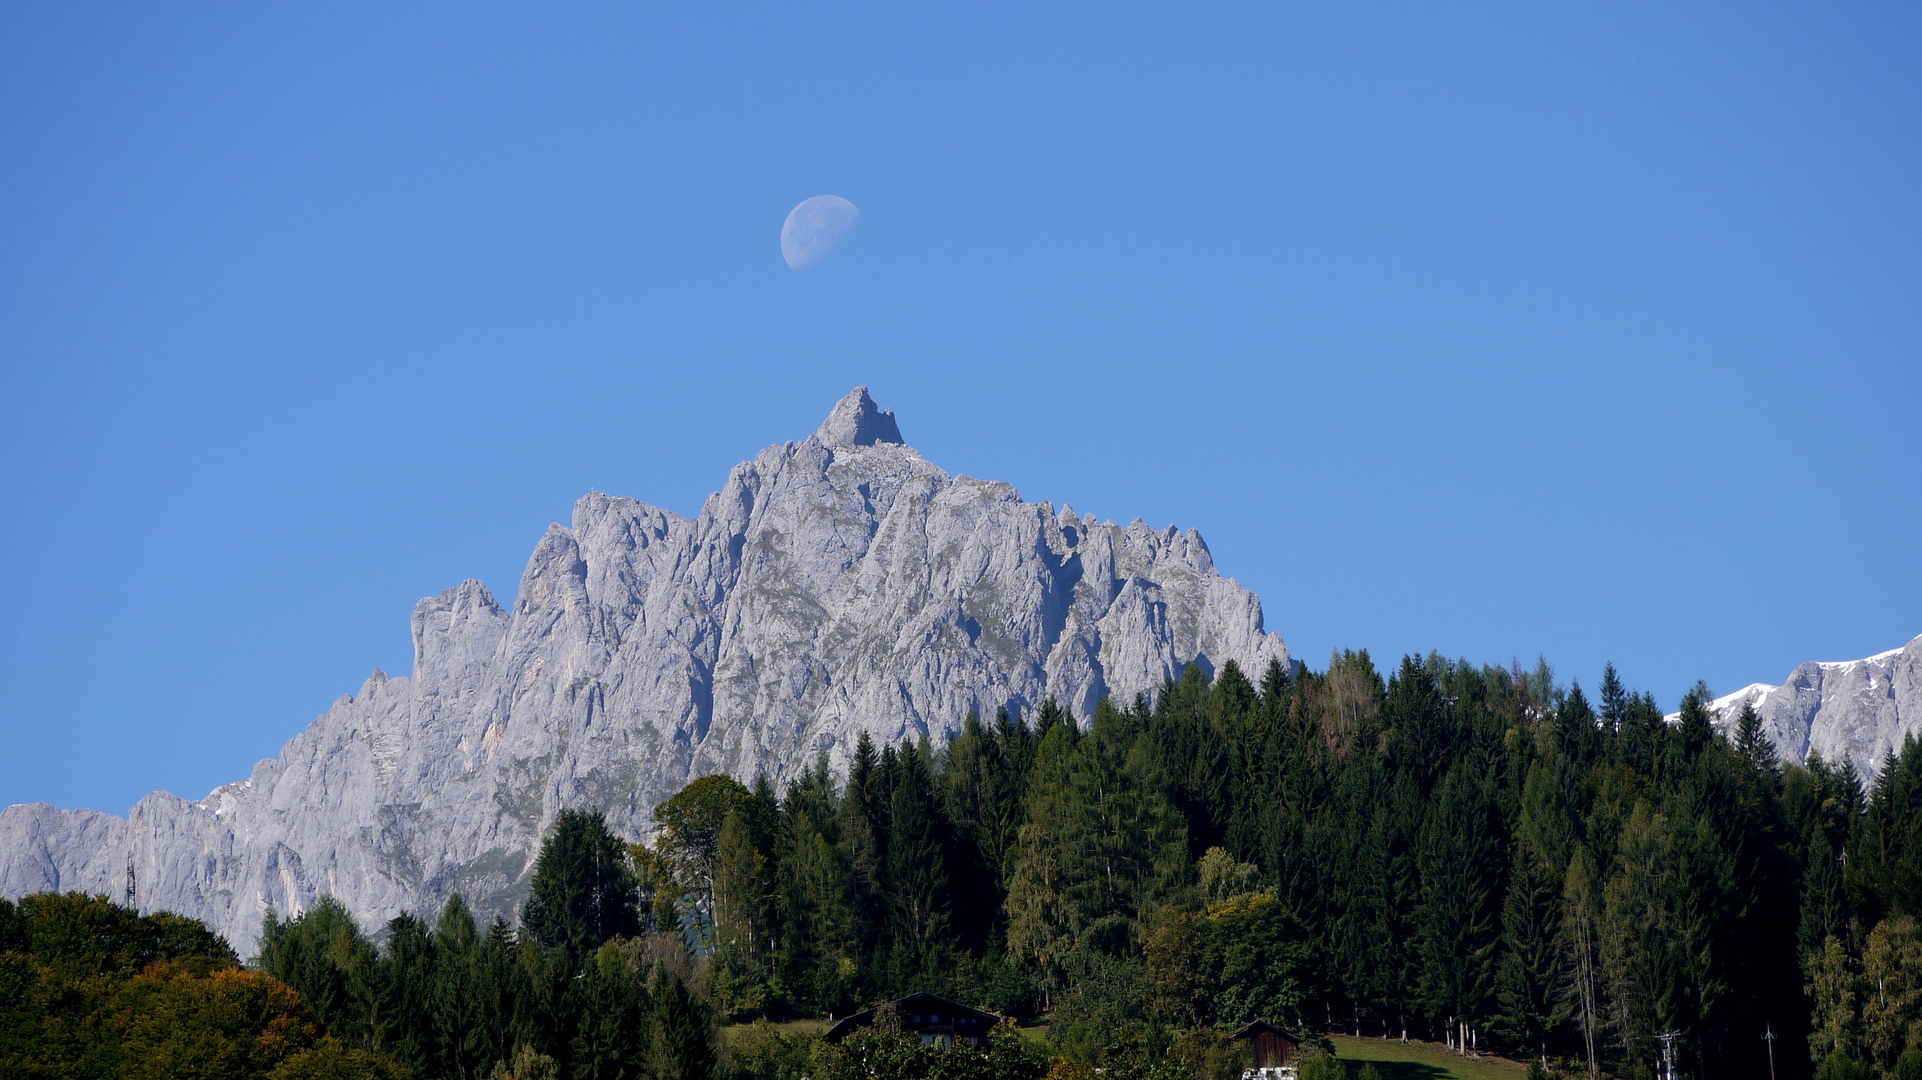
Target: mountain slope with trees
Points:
(1469, 854)
(1472, 855)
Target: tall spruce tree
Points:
(403, 1017)
(1529, 1005)
(322, 954)
(682, 1036)
(1460, 929)
(917, 876)
(582, 892)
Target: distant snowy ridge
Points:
(1731, 704)
(1854, 710)
(835, 586)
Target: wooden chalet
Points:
(1271, 1047)
(931, 1019)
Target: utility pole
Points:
(1668, 1054)
(1768, 1036)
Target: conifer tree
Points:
(864, 836)
(1824, 908)
(1459, 930)
(1575, 728)
(1639, 947)
(322, 955)
(465, 1003)
(612, 1039)
(1420, 729)
(1887, 852)
(741, 931)
(1528, 1007)
(917, 878)
(1041, 924)
(980, 800)
(1048, 718)
(1750, 741)
(1695, 726)
(1614, 700)
(583, 892)
(682, 1038)
(403, 1017)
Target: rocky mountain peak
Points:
(858, 421)
(820, 595)
(1855, 710)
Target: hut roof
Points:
(912, 1005)
(1263, 1027)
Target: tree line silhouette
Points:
(1470, 854)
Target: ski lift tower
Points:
(1668, 1054)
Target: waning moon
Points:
(814, 227)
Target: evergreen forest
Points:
(1470, 855)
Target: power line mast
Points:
(1668, 1054)
(1768, 1036)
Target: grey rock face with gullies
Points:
(835, 586)
(1854, 710)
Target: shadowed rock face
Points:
(1855, 710)
(833, 586)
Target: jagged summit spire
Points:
(857, 421)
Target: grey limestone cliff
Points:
(834, 586)
(1855, 710)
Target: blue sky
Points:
(1535, 329)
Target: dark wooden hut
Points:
(932, 1019)
(1272, 1047)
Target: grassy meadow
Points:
(1421, 1061)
